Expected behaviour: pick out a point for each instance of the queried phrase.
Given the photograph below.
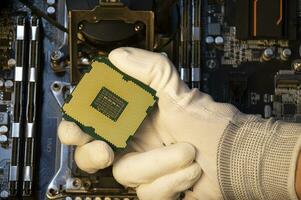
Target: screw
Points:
(139, 27)
(56, 55)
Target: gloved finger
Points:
(70, 134)
(134, 169)
(94, 156)
(153, 69)
(170, 186)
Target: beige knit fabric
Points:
(257, 159)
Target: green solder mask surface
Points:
(109, 104)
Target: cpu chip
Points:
(109, 104)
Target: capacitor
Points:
(84, 61)
(126, 198)
(50, 2)
(297, 65)
(3, 138)
(88, 198)
(211, 64)
(97, 198)
(68, 198)
(209, 40)
(11, 63)
(3, 129)
(267, 111)
(50, 10)
(286, 54)
(56, 56)
(4, 194)
(267, 54)
(219, 40)
(9, 84)
(107, 198)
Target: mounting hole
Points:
(87, 184)
(56, 87)
(52, 192)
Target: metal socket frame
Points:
(105, 11)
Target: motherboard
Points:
(251, 55)
(243, 52)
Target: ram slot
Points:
(34, 52)
(196, 45)
(184, 47)
(17, 108)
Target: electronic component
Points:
(16, 125)
(9, 84)
(267, 54)
(195, 45)
(209, 40)
(219, 40)
(51, 10)
(296, 65)
(118, 102)
(3, 129)
(287, 100)
(6, 96)
(184, 43)
(3, 108)
(51, 2)
(286, 54)
(214, 29)
(31, 107)
(3, 118)
(3, 138)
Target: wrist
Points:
(270, 149)
(298, 177)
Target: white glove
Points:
(166, 170)
(242, 156)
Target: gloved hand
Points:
(242, 156)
